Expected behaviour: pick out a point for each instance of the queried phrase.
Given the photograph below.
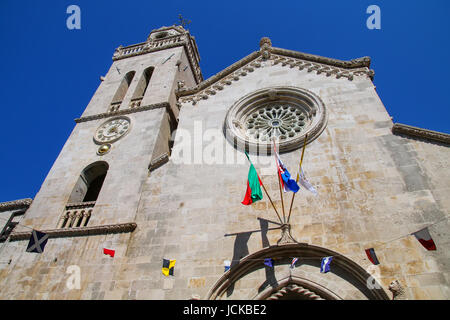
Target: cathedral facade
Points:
(145, 199)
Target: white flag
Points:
(306, 184)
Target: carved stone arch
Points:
(346, 280)
(89, 182)
(304, 288)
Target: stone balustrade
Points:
(136, 102)
(76, 215)
(114, 106)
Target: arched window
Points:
(141, 87)
(89, 183)
(121, 91)
(84, 194)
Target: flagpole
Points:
(270, 200)
(279, 179)
(264, 188)
(298, 176)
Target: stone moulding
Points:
(158, 162)
(277, 56)
(76, 232)
(123, 112)
(16, 204)
(252, 262)
(404, 129)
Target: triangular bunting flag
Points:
(325, 265)
(425, 239)
(109, 252)
(268, 262)
(293, 263)
(37, 242)
(168, 266)
(372, 256)
(227, 264)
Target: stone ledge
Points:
(16, 204)
(123, 111)
(425, 134)
(159, 161)
(75, 232)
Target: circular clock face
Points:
(112, 130)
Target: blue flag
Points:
(268, 262)
(226, 264)
(37, 242)
(325, 265)
(288, 183)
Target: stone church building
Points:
(155, 169)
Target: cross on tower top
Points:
(183, 22)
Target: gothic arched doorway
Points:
(251, 279)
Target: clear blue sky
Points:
(49, 73)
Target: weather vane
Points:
(183, 22)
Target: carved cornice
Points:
(349, 64)
(16, 204)
(425, 134)
(80, 205)
(80, 231)
(123, 111)
(285, 58)
(183, 39)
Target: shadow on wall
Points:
(240, 250)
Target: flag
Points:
(37, 242)
(168, 266)
(268, 262)
(293, 263)
(425, 239)
(287, 182)
(227, 264)
(253, 192)
(109, 252)
(372, 256)
(305, 183)
(325, 265)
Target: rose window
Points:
(286, 114)
(280, 121)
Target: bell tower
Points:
(124, 132)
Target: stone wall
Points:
(374, 188)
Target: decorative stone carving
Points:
(397, 290)
(287, 116)
(308, 294)
(319, 65)
(162, 39)
(404, 129)
(16, 204)
(265, 42)
(122, 112)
